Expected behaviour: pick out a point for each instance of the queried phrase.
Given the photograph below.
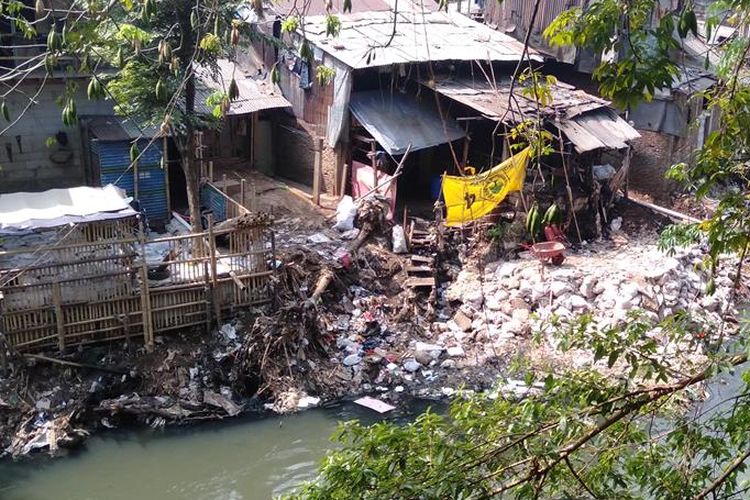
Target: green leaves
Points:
(210, 44)
(95, 90)
(4, 110)
(333, 25)
(290, 24)
(324, 74)
(688, 22)
(69, 113)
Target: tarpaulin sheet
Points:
(472, 197)
(397, 120)
(57, 207)
(363, 181)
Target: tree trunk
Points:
(189, 165)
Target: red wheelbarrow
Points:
(549, 251)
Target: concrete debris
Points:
(374, 404)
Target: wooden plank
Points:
(317, 170)
(420, 282)
(419, 269)
(422, 258)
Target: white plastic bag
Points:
(345, 213)
(399, 240)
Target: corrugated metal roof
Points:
(514, 17)
(492, 100)
(110, 128)
(368, 39)
(586, 120)
(598, 129)
(318, 7)
(255, 95)
(397, 121)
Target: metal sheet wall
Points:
(213, 200)
(113, 159)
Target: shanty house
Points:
(673, 125)
(432, 83)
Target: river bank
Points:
(367, 332)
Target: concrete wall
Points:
(32, 166)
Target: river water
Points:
(239, 459)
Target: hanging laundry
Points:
(470, 198)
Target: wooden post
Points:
(211, 170)
(374, 165)
(209, 298)
(465, 155)
(57, 302)
(253, 120)
(126, 330)
(165, 160)
(253, 197)
(243, 194)
(135, 180)
(224, 183)
(212, 257)
(148, 327)
(342, 186)
(317, 169)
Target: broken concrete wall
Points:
(26, 162)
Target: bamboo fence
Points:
(98, 286)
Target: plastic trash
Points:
(346, 211)
(399, 239)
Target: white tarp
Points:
(338, 111)
(55, 207)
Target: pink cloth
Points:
(363, 183)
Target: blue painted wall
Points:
(113, 159)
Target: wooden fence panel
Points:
(97, 289)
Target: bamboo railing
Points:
(109, 282)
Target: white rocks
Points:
(628, 290)
(578, 303)
(521, 315)
(587, 286)
(505, 270)
(560, 287)
(455, 351)
(432, 350)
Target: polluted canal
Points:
(242, 460)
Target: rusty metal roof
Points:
(372, 39)
(254, 95)
(110, 128)
(598, 129)
(587, 120)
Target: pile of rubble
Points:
(346, 323)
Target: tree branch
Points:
(723, 477)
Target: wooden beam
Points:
(317, 170)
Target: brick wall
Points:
(294, 147)
(32, 166)
(651, 160)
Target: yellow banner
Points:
(470, 198)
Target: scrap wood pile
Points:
(294, 350)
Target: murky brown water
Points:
(245, 460)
